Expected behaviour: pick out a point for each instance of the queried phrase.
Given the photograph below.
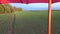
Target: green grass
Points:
(56, 22)
(30, 22)
(4, 20)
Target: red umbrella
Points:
(35, 1)
(27, 1)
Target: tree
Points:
(5, 8)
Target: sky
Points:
(36, 6)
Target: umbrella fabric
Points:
(53, 1)
(26, 1)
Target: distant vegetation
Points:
(6, 8)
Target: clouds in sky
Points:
(36, 6)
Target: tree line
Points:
(6, 8)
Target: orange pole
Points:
(49, 16)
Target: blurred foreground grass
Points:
(31, 22)
(4, 20)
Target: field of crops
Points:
(31, 22)
(4, 20)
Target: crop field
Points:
(4, 20)
(30, 22)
